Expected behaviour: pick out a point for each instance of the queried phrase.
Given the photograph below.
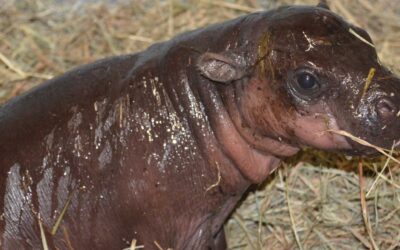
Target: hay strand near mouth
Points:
(365, 143)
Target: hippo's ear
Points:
(323, 4)
(220, 67)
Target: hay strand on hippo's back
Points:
(38, 41)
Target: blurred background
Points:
(314, 201)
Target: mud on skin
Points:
(160, 145)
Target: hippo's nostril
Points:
(386, 108)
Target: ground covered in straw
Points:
(332, 206)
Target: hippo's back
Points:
(30, 116)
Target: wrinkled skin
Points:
(159, 146)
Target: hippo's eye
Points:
(306, 81)
(305, 84)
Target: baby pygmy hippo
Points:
(159, 146)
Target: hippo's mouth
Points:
(363, 147)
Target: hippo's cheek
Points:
(314, 131)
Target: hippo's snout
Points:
(386, 108)
(371, 114)
(379, 114)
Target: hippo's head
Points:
(334, 79)
(313, 73)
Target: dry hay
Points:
(40, 39)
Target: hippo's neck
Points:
(255, 165)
